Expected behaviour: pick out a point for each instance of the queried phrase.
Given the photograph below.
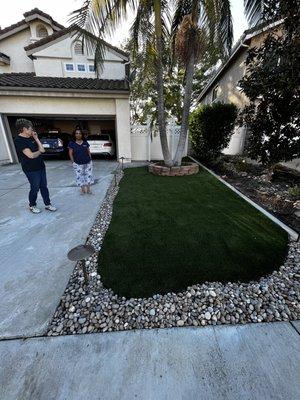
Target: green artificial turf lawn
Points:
(168, 233)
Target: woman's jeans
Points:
(38, 181)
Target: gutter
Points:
(61, 90)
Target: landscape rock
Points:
(97, 309)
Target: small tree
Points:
(211, 127)
(271, 84)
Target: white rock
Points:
(207, 315)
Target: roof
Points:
(27, 15)
(30, 80)
(60, 34)
(42, 14)
(2, 55)
(240, 46)
(48, 38)
(13, 26)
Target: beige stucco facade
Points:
(224, 87)
(13, 46)
(53, 60)
(227, 84)
(48, 58)
(66, 104)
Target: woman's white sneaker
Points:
(34, 210)
(50, 208)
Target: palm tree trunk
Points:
(160, 86)
(186, 110)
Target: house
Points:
(224, 86)
(48, 76)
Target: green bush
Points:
(294, 191)
(211, 127)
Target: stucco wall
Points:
(13, 46)
(227, 84)
(51, 62)
(123, 129)
(5, 156)
(35, 24)
(56, 105)
(38, 105)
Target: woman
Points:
(80, 156)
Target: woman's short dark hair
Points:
(77, 128)
(23, 123)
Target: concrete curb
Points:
(293, 234)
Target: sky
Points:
(60, 10)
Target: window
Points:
(91, 68)
(78, 48)
(81, 68)
(215, 93)
(69, 67)
(41, 31)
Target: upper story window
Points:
(81, 68)
(215, 93)
(78, 48)
(41, 31)
(92, 68)
(69, 67)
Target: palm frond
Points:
(253, 11)
(97, 18)
(224, 26)
(142, 27)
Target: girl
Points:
(80, 156)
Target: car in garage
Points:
(101, 144)
(55, 143)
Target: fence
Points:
(145, 144)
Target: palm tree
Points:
(196, 25)
(98, 17)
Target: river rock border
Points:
(272, 298)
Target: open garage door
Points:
(55, 133)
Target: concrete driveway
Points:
(34, 269)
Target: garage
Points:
(56, 132)
(56, 108)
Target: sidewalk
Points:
(241, 362)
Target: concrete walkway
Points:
(34, 269)
(251, 362)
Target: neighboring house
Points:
(224, 86)
(48, 76)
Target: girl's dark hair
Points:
(23, 123)
(81, 131)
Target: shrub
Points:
(211, 127)
(294, 191)
(271, 84)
